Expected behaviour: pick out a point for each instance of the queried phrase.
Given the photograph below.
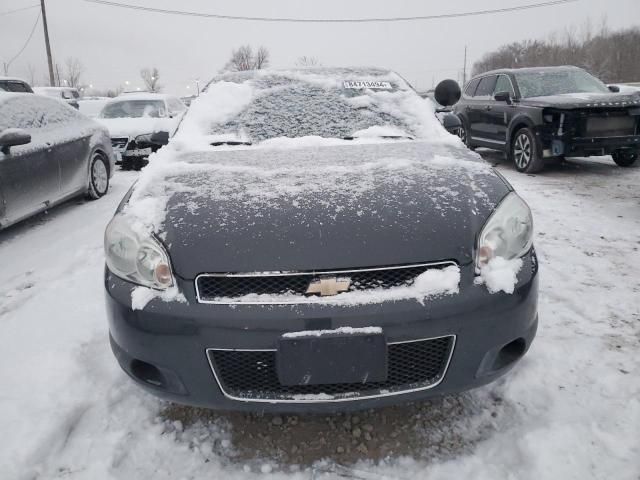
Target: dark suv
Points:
(533, 114)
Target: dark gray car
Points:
(48, 153)
(315, 240)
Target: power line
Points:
(7, 12)
(6, 66)
(334, 20)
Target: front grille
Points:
(610, 126)
(251, 375)
(119, 143)
(224, 288)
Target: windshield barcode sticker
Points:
(372, 85)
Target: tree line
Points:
(610, 56)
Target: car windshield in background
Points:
(297, 106)
(134, 109)
(558, 82)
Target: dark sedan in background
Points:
(48, 153)
(315, 240)
(533, 114)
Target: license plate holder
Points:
(332, 359)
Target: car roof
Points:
(141, 96)
(527, 70)
(54, 88)
(14, 79)
(327, 71)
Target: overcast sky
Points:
(114, 44)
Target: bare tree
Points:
(305, 61)
(72, 72)
(611, 56)
(243, 59)
(261, 58)
(151, 78)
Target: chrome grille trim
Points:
(302, 299)
(343, 398)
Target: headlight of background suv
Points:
(138, 260)
(143, 139)
(508, 233)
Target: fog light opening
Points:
(510, 353)
(147, 373)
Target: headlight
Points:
(145, 138)
(508, 233)
(138, 260)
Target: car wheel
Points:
(524, 152)
(624, 159)
(98, 176)
(462, 133)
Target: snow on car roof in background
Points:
(140, 96)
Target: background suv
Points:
(537, 113)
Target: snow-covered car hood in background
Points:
(582, 100)
(132, 127)
(350, 204)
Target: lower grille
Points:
(251, 374)
(228, 288)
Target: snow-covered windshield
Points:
(557, 82)
(134, 109)
(329, 104)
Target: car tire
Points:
(624, 159)
(98, 176)
(524, 152)
(464, 136)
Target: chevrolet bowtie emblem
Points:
(329, 286)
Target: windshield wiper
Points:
(230, 142)
(392, 137)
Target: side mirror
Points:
(614, 88)
(12, 137)
(451, 122)
(159, 138)
(502, 97)
(447, 93)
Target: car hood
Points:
(330, 207)
(571, 101)
(132, 127)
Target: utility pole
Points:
(46, 42)
(464, 68)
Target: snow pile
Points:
(141, 296)
(500, 274)
(336, 331)
(433, 282)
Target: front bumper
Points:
(164, 346)
(584, 147)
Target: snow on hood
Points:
(132, 127)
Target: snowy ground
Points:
(570, 409)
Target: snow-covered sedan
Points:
(315, 240)
(133, 118)
(48, 153)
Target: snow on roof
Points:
(140, 96)
(15, 79)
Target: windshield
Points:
(291, 104)
(557, 82)
(134, 109)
